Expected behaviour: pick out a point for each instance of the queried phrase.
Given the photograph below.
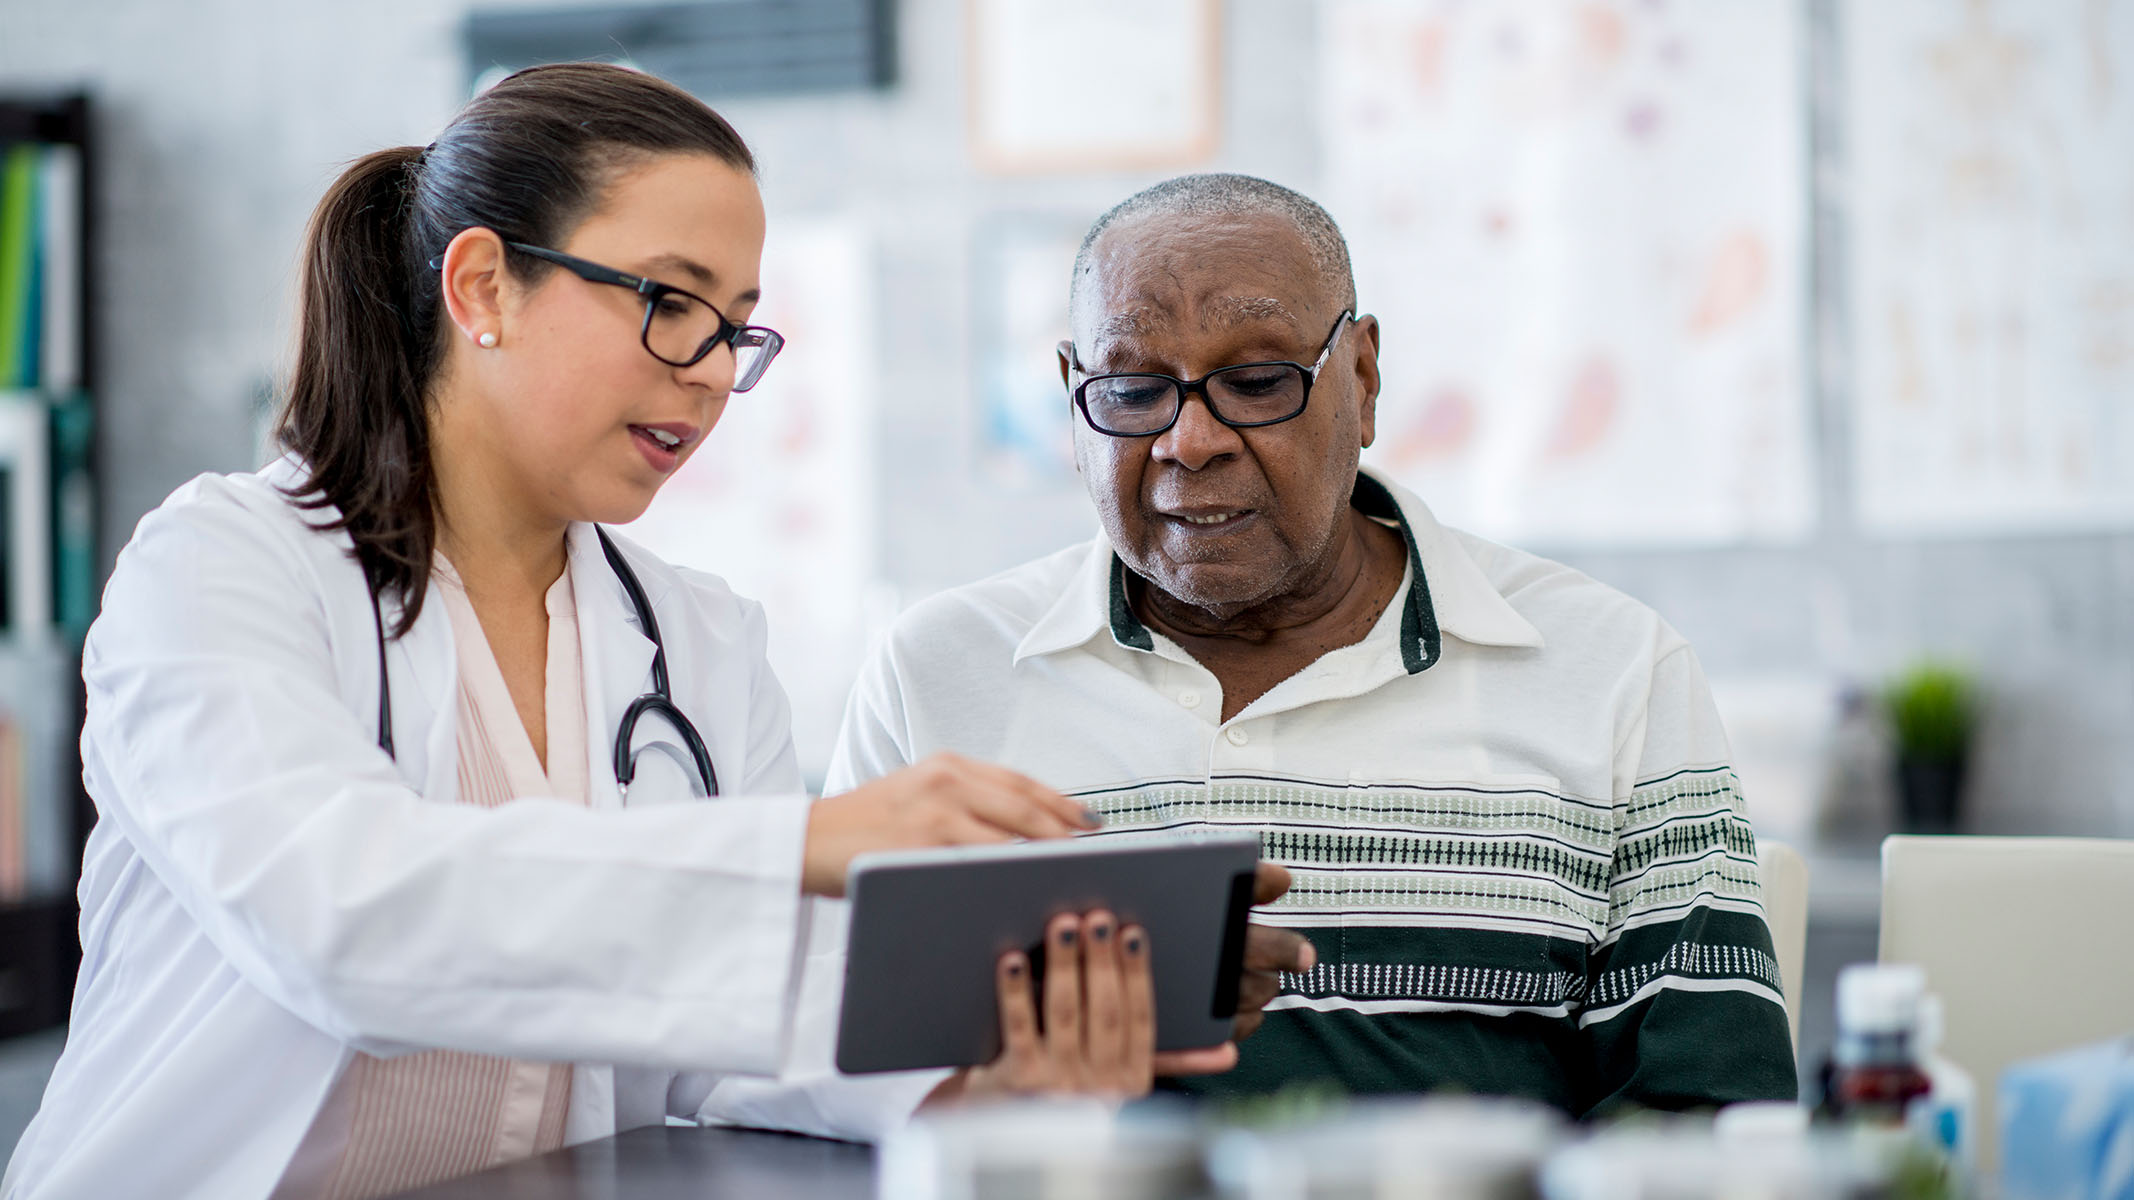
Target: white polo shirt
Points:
(1518, 846)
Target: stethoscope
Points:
(659, 700)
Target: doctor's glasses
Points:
(680, 327)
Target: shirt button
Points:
(1189, 698)
(1238, 737)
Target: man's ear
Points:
(1067, 368)
(1366, 336)
(473, 283)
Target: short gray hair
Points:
(1221, 194)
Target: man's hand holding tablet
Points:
(1268, 952)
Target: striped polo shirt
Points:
(1517, 844)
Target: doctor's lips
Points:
(662, 445)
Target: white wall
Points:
(222, 121)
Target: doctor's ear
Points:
(473, 281)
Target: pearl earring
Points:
(487, 341)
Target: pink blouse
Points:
(390, 1124)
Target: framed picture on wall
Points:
(1022, 263)
(1097, 85)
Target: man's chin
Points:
(1215, 586)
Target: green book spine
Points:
(73, 432)
(18, 231)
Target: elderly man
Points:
(1519, 851)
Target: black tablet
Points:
(928, 927)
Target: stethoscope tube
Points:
(659, 700)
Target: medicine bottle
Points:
(1875, 1071)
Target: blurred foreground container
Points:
(1436, 1148)
(1687, 1159)
(1044, 1150)
(2067, 1125)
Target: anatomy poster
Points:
(1990, 160)
(1581, 224)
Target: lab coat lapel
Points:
(424, 669)
(616, 664)
(617, 659)
(591, 1114)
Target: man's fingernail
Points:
(1091, 820)
(1309, 958)
(1067, 936)
(1133, 943)
(1101, 933)
(1015, 968)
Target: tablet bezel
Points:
(914, 1002)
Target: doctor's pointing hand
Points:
(945, 800)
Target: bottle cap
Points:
(1880, 997)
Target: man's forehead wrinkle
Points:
(1246, 310)
(1127, 323)
(1139, 321)
(1148, 277)
(1216, 313)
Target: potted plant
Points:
(1932, 709)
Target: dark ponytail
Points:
(530, 159)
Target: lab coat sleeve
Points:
(811, 1096)
(218, 743)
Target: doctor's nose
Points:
(713, 372)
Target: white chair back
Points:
(2027, 940)
(1785, 885)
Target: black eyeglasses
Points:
(680, 327)
(1143, 403)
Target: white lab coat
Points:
(266, 892)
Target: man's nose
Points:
(1196, 438)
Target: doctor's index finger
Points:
(1073, 816)
(1024, 806)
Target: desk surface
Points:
(662, 1162)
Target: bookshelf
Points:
(49, 558)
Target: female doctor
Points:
(322, 955)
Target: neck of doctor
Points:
(508, 552)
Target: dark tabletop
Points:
(668, 1161)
